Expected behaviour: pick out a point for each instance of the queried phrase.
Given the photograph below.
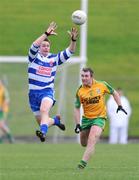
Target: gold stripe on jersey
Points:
(93, 99)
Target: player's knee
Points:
(43, 110)
(92, 141)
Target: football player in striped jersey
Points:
(42, 66)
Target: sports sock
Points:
(82, 164)
(56, 121)
(10, 138)
(44, 128)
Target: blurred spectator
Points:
(118, 121)
(4, 110)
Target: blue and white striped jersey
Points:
(42, 70)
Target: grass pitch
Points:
(59, 161)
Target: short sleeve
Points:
(109, 89)
(77, 101)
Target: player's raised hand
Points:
(120, 108)
(73, 33)
(51, 29)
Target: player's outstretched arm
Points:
(118, 101)
(73, 35)
(48, 32)
(117, 98)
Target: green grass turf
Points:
(59, 161)
(22, 21)
(112, 48)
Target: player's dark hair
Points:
(86, 69)
(47, 40)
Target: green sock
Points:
(82, 164)
(10, 138)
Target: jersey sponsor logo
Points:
(45, 71)
(90, 100)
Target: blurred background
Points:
(112, 52)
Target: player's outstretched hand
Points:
(51, 29)
(120, 108)
(77, 128)
(73, 34)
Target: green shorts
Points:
(87, 123)
(1, 115)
